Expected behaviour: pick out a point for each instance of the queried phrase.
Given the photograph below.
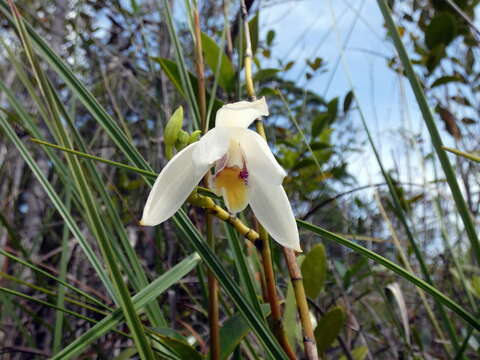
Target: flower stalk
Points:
(290, 257)
(213, 304)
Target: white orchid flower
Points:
(246, 172)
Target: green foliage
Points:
(314, 270)
(359, 353)
(177, 344)
(441, 31)
(329, 328)
(213, 53)
(86, 224)
(233, 331)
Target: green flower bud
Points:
(194, 136)
(173, 127)
(169, 151)
(182, 140)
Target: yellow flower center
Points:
(231, 183)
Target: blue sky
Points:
(301, 27)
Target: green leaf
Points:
(476, 285)
(266, 91)
(127, 354)
(176, 343)
(146, 295)
(446, 80)
(459, 310)
(314, 270)
(319, 123)
(253, 26)
(290, 323)
(171, 70)
(304, 163)
(328, 328)
(315, 64)
(319, 145)
(347, 102)
(332, 109)
(270, 37)
(289, 65)
(233, 331)
(212, 54)
(265, 74)
(359, 353)
(441, 30)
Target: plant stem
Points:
(213, 307)
(302, 304)
(229, 47)
(200, 70)
(271, 291)
(309, 339)
(462, 153)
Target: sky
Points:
(301, 29)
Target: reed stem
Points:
(213, 305)
(302, 304)
(297, 282)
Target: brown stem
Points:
(229, 46)
(263, 244)
(213, 307)
(295, 274)
(200, 70)
(302, 304)
(248, 55)
(272, 298)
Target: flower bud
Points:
(173, 127)
(182, 140)
(194, 136)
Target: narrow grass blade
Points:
(60, 281)
(240, 262)
(58, 333)
(99, 114)
(459, 310)
(432, 128)
(57, 202)
(145, 296)
(264, 335)
(462, 153)
(399, 211)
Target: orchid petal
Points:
(241, 114)
(212, 146)
(172, 187)
(260, 160)
(272, 209)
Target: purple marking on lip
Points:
(244, 174)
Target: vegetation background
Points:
(105, 77)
